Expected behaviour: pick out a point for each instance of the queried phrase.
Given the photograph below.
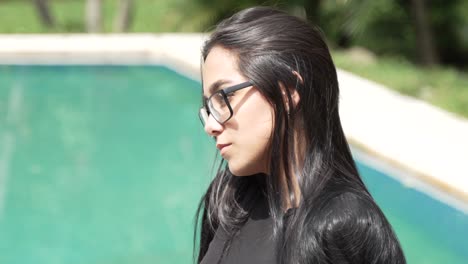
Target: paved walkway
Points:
(419, 138)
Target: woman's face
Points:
(249, 129)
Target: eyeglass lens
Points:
(217, 106)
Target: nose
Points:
(212, 127)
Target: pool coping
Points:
(427, 142)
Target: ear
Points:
(298, 76)
(294, 95)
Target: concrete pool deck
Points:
(428, 143)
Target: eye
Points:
(222, 103)
(230, 95)
(218, 99)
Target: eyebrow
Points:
(215, 86)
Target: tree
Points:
(424, 38)
(312, 8)
(42, 7)
(124, 16)
(93, 16)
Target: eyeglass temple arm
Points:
(238, 87)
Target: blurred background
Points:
(107, 163)
(417, 47)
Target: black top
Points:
(253, 244)
(343, 225)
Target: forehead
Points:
(220, 64)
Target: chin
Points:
(234, 171)
(240, 172)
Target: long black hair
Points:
(336, 214)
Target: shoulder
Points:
(352, 214)
(351, 228)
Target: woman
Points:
(290, 191)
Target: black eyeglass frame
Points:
(224, 92)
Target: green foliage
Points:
(379, 25)
(388, 28)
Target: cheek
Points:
(255, 127)
(256, 121)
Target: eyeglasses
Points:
(218, 104)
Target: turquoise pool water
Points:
(106, 164)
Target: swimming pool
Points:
(106, 164)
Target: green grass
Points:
(150, 16)
(441, 86)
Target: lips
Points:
(221, 146)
